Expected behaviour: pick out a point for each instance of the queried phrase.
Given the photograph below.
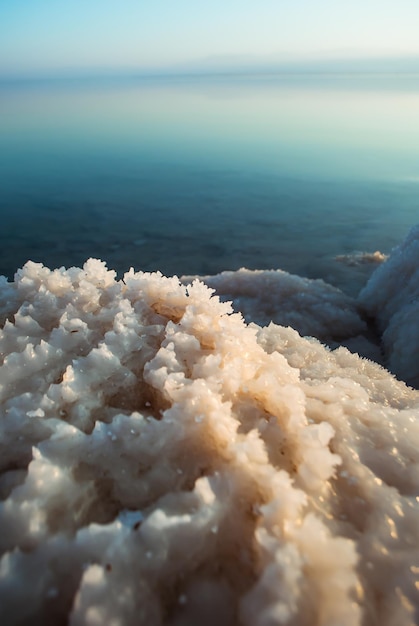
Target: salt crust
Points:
(391, 296)
(162, 462)
(312, 307)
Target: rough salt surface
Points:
(391, 296)
(162, 462)
(310, 306)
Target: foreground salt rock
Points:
(391, 297)
(164, 463)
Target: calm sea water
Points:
(201, 174)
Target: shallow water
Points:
(196, 175)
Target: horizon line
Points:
(348, 65)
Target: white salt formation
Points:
(162, 463)
(392, 298)
(310, 306)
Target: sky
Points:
(38, 36)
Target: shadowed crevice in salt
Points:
(391, 297)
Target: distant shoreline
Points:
(392, 66)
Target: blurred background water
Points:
(198, 174)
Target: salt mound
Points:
(310, 306)
(391, 297)
(164, 463)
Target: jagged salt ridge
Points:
(312, 307)
(164, 463)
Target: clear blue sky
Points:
(44, 35)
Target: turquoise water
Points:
(200, 174)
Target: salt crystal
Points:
(242, 375)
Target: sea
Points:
(197, 174)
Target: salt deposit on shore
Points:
(310, 306)
(162, 462)
(391, 297)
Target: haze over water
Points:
(198, 174)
